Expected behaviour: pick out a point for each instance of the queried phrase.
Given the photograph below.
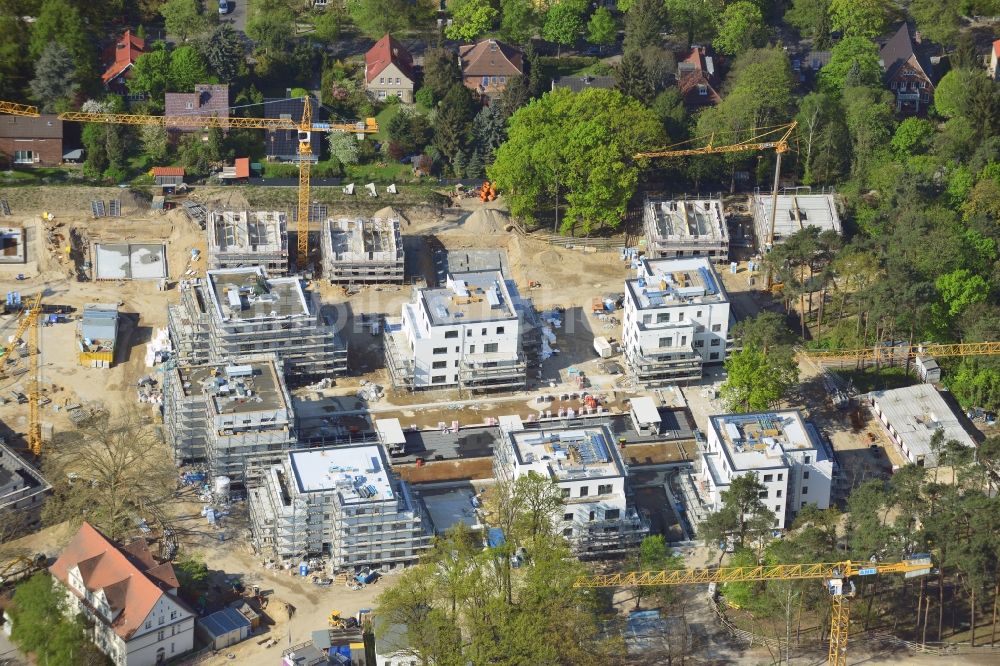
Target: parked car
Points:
(223, 6)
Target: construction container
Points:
(603, 347)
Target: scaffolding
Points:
(363, 251)
(686, 227)
(240, 312)
(342, 503)
(248, 238)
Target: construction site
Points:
(363, 251)
(237, 239)
(686, 228)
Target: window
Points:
(161, 620)
(714, 356)
(805, 490)
(438, 365)
(776, 521)
(472, 349)
(584, 491)
(491, 347)
(568, 532)
(781, 477)
(567, 516)
(715, 342)
(381, 80)
(699, 343)
(805, 475)
(593, 514)
(440, 350)
(777, 493)
(777, 508)
(716, 328)
(24, 157)
(612, 514)
(893, 85)
(768, 477)
(438, 379)
(451, 334)
(486, 81)
(699, 314)
(173, 615)
(564, 492)
(808, 459)
(604, 489)
(160, 635)
(499, 330)
(667, 342)
(702, 90)
(646, 319)
(483, 332)
(397, 80)
(803, 505)
(662, 317)
(762, 494)
(680, 316)
(149, 624)
(503, 79)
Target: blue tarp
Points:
(495, 537)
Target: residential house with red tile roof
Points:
(128, 597)
(207, 100)
(118, 61)
(992, 66)
(488, 65)
(697, 79)
(389, 70)
(908, 71)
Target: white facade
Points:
(676, 319)
(597, 516)
(781, 449)
(467, 334)
(912, 415)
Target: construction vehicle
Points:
(336, 621)
(304, 127)
(488, 192)
(21, 567)
(836, 575)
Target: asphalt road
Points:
(237, 15)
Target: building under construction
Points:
(235, 312)
(793, 213)
(343, 503)
(226, 417)
(363, 251)
(686, 228)
(248, 238)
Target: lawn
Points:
(386, 173)
(34, 175)
(383, 117)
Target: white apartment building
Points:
(342, 502)
(466, 334)
(782, 449)
(676, 320)
(598, 516)
(129, 599)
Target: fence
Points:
(598, 244)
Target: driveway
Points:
(237, 16)
(9, 654)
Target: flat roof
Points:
(221, 622)
(364, 239)
(468, 298)
(448, 507)
(795, 212)
(686, 219)
(12, 245)
(760, 440)
(916, 413)
(130, 261)
(676, 281)
(389, 431)
(236, 389)
(100, 322)
(247, 231)
(247, 293)
(645, 409)
(569, 454)
(359, 473)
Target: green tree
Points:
(870, 125)
(61, 22)
(913, 136)
(55, 79)
(155, 142)
(951, 93)
(601, 29)
(859, 18)
(575, 148)
(654, 555)
(327, 24)
(644, 21)
(757, 381)
(151, 75)
(740, 28)
(564, 23)
(741, 518)
(519, 20)
(694, 20)
(183, 18)
(343, 147)
(224, 52)
(812, 19)
(855, 58)
(824, 147)
(187, 69)
(452, 125)
(489, 130)
(961, 288)
(939, 20)
(13, 59)
(632, 79)
(471, 19)
(272, 27)
(377, 17)
(766, 331)
(440, 72)
(42, 628)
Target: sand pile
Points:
(486, 221)
(389, 212)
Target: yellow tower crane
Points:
(894, 353)
(837, 576)
(15, 109)
(29, 324)
(303, 126)
(765, 138)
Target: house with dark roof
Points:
(908, 72)
(580, 82)
(207, 100)
(697, 79)
(283, 145)
(128, 598)
(389, 70)
(488, 65)
(118, 61)
(27, 141)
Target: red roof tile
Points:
(490, 58)
(130, 585)
(168, 171)
(996, 48)
(123, 55)
(387, 50)
(242, 167)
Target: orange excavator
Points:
(488, 192)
